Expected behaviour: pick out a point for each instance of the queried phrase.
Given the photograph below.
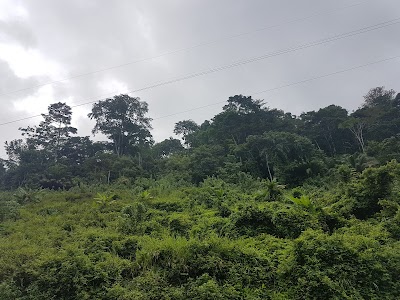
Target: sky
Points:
(82, 51)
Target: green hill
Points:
(163, 240)
(256, 203)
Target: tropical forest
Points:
(254, 203)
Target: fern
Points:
(303, 201)
(103, 200)
(24, 195)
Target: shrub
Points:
(341, 266)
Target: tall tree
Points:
(322, 128)
(186, 128)
(357, 128)
(377, 119)
(53, 132)
(242, 117)
(2, 171)
(288, 157)
(378, 97)
(14, 149)
(123, 120)
(167, 147)
(243, 105)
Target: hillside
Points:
(256, 203)
(200, 150)
(161, 240)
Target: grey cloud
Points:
(84, 36)
(17, 32)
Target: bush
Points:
(278, 219)
(9, 210)
(374, 184)
(341, 266)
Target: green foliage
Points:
(286, 156)
(179, 224)
(123, 120)
(341, 266)
(103, 200)
(275, 218)
(9, 210)
(145, 195)
(274, 189)
(26, 195)
(167, 147)
(260, 204)
(213, 241)
(373, 185)
(386, 150)
(323, 127)
(302, 201)
(133, 217)
(53, 132)
(345, 173)
(186, 128)
(206, 161)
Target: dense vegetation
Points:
(255, 204)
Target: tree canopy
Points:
(257, 204)
(123, 120)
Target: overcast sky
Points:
(42, 41)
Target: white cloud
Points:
(12, 10)
(47, 40)
(111, 87)
(38, 102)
(28, 62)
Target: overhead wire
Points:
(201, 44)
(288, 85)
(238, 63)
(283, 86)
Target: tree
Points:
(206, 160)
(377, 119)
(2, 171)
(380, 112)
(322, 128)
(53, 131)
(373, 185)
(186, 128)
(243, 105)
(14, 149)
(242, 117)
(357, 128)
(77, 149)
(49, 138)
(167, 147)
(123, 120)
(29, 169)
(288, 157)
(386, 150)
(378, 97)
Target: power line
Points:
(283, 86)
(273, 54)
(288, 85)
(202, 44)
(243, 62)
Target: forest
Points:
(255, 203)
